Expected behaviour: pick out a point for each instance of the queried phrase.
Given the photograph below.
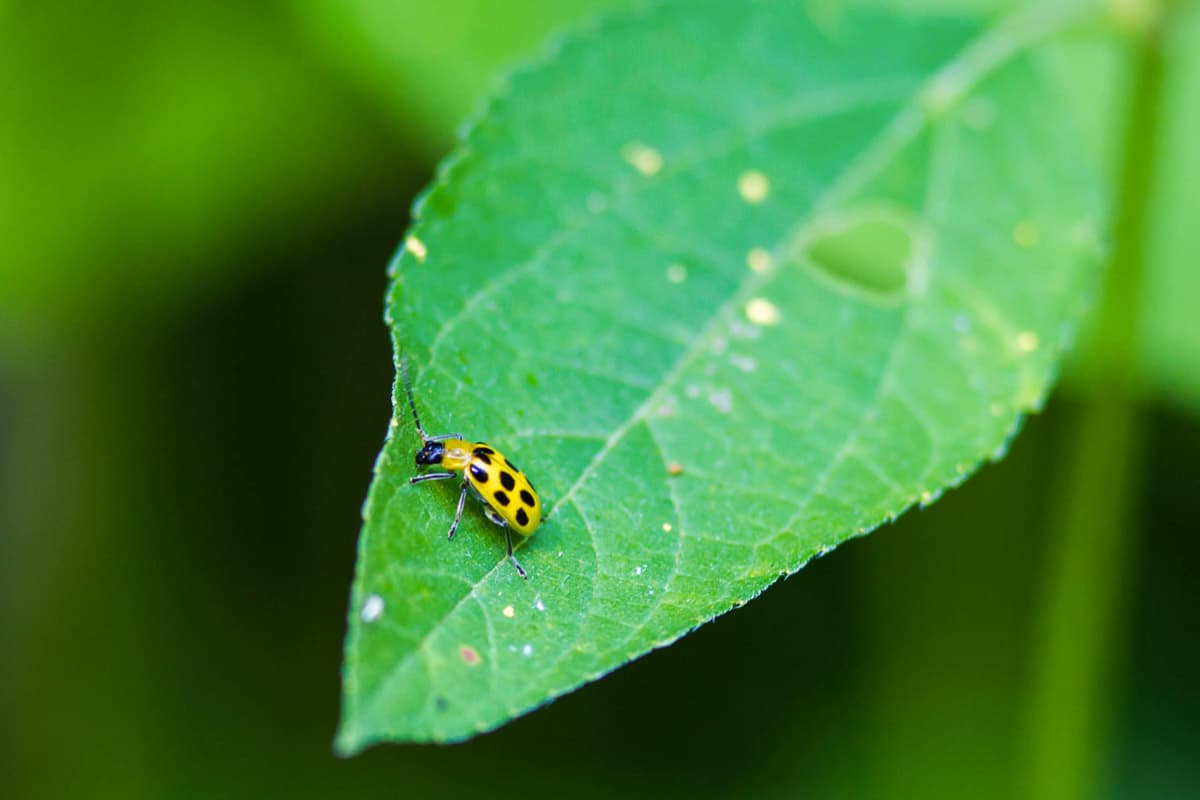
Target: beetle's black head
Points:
(431, 453)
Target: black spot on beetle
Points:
(508, 480)
(479, 473)
(526, 498)
(501, 497)
(484, 450)
(522, 517)
(483, 457)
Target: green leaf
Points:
(732, 286)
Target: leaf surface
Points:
(732, 285)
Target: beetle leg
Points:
(441, 437)
(462, 499)
(511, 557)
(431, 476)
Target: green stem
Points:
(1078, 648)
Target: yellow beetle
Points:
(509, 498)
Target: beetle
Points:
(509, 499)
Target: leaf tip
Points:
(348, 743)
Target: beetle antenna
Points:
(411, 402)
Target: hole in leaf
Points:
(869, 253)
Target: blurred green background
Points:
(197, 206)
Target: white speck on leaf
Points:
(538, 604)
(372, 608)
(509, 612)
(1027, 341)
(644, 159)
(676, 273)
(753, 186)
(763, 312)
(722, 400)
(744, 363)
(758, 259)
(666, 527)
(739, 329)
(527, 650)
(415, 246)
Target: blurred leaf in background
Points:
(429, 64)
(145, 147)
(172, 181)
(1170, 332)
